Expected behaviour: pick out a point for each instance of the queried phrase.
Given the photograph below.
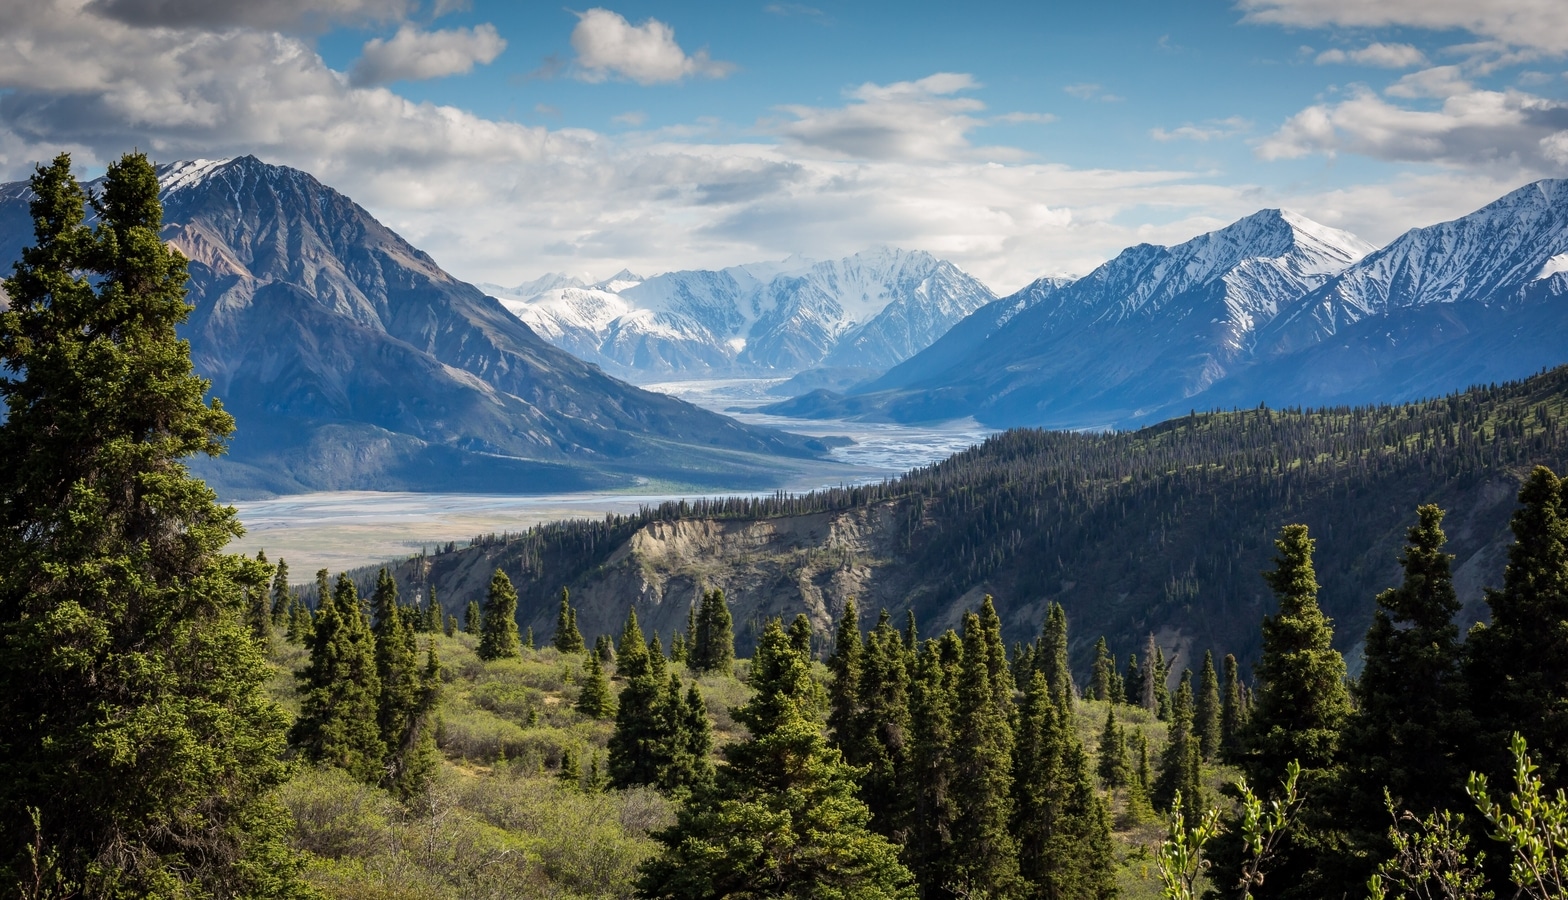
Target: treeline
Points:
(1136, 531)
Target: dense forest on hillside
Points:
(1162, 529)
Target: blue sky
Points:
(1018, 139)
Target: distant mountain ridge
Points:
(351, 360)
(871, 310)
(1151, 327)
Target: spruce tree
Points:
(593, 697)
(473, 618)
(1517, 666)
(985, 856)
(1302, 699)
(1162, 686)
(1206, 713)
(800, 634)
(631, 658)
(498, 632)
(933, 758)
(714, 649)
(1104, 674)
(340, 692)
(133, 711)
(430, 619)
(844, 689)
(1133, 683)
(784, 820)
(451, 626)
(1232, 711)
(1179, 761)
(678, 648)
(1403, 736)
(258, 601)
(881, 731)
(567, 638)
(1053, 653)
(280, 594)
(1112, 762)
(528, 639)
(407, 693)
(1149, 684)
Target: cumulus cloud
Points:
(1510, 130)
(904, 120)
(1383, 56)
(1540, 24)
(1438, 82)
(1212, 130)
(415, 55)
(608, 46)
(280, 14)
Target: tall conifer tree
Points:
(933, 761)
(785, 821)
(1206, 712)
(1232, 709)
(985, 856)
(340, 692)
(714, 650)
(280, 594)
(1102, 680)
(1053, 661)
(498, 634)
(593, 697)
(844, 690)
(567, 638)
(133, 711)
(882, 731)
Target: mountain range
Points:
(351, 360)
(1274, 308)
(871, 310)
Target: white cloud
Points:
(1384, 56)
(609, 46)
(1090, 91)
(1212, 130)
(1438, 82)
(414, 55)
(904, 120)
(1496, 130)
(1540, 24)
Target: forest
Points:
(178, 721)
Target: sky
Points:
(513, 139)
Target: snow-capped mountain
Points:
(351, 360)
(873, 309)
(1148, 328)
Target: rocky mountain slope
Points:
(1162, 530)
(352, 361)
(871, 310)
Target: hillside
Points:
(1164, 529)
(351, 360)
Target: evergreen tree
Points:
(933, 759)
(1206, 713)
(571, 771)
(528, 639)
(407, 694)
(844, 689)
(258, 601)
(1112, 763)
(1302, 699)
(593, 698)
(473, 619)
(985, 857)
(323, 587)
(451, 626)
(678, 648)
(800, 634)
(1402, 736)
(133, 712)
(1517, 668)
(1133, 683)
(1139, 808)
(498, 636)
(1232, 712)
(996, 652)
(604, 648)
(911, 634)
(1150, 683)
(632, 659)
(280, 594)
(1101, 685)
(714, 649)
(340, 692)
(567, 638)
(1179, 761)
(882, 731)
(784, 821)
(1162, 686)
(301, 623)
(1053, 653)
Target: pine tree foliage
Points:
(984, 854)
(593, 697)
(133, 715)
(1053, 653)
(567, 638)
(713, 649)
(498, 638)
(1404, 735)
(844, 689)
(1302, 700)
(1179, 763)
(784, 821)
(882, 735)
(1112, 765)
(933, 762)
(1151, 678)
(340, 692)
(1102, 680)
(281, 596)
(1232, 709)
(1518, 666)
(631, 657)
(1207, 710)
(473, 618)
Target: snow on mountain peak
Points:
(187, 173)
